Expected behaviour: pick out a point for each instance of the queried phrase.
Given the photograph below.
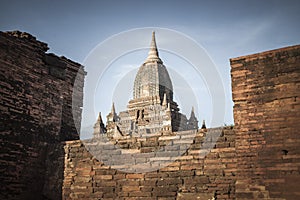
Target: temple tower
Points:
(152, 108)
(99, 127)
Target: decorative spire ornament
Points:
(153, 53)
(113, 110)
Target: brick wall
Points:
(259, 159)
(191, 176)
(35, 103)
(266, 92)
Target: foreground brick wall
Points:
(266, 92)
(35, 103)
(191, 176)
(259, 159)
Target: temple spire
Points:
(100, 118)
(113, 110)
(99, 127)
(192, 113)
(153, 52)
(203, 125)
(112, 116)
(193, 121)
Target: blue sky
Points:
(225, 29)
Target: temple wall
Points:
(191, 176)
(35, 103)
(266, 92)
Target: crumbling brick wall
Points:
(266, 92)
(191, 176)
(36, 112)
(259, 159)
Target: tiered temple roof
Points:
(152, 108)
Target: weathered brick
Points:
(135, 176)
(103, 177)
(258, 159)
(130, 188)
(263, 87)
(36, 98)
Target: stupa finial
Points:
(153, 53)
